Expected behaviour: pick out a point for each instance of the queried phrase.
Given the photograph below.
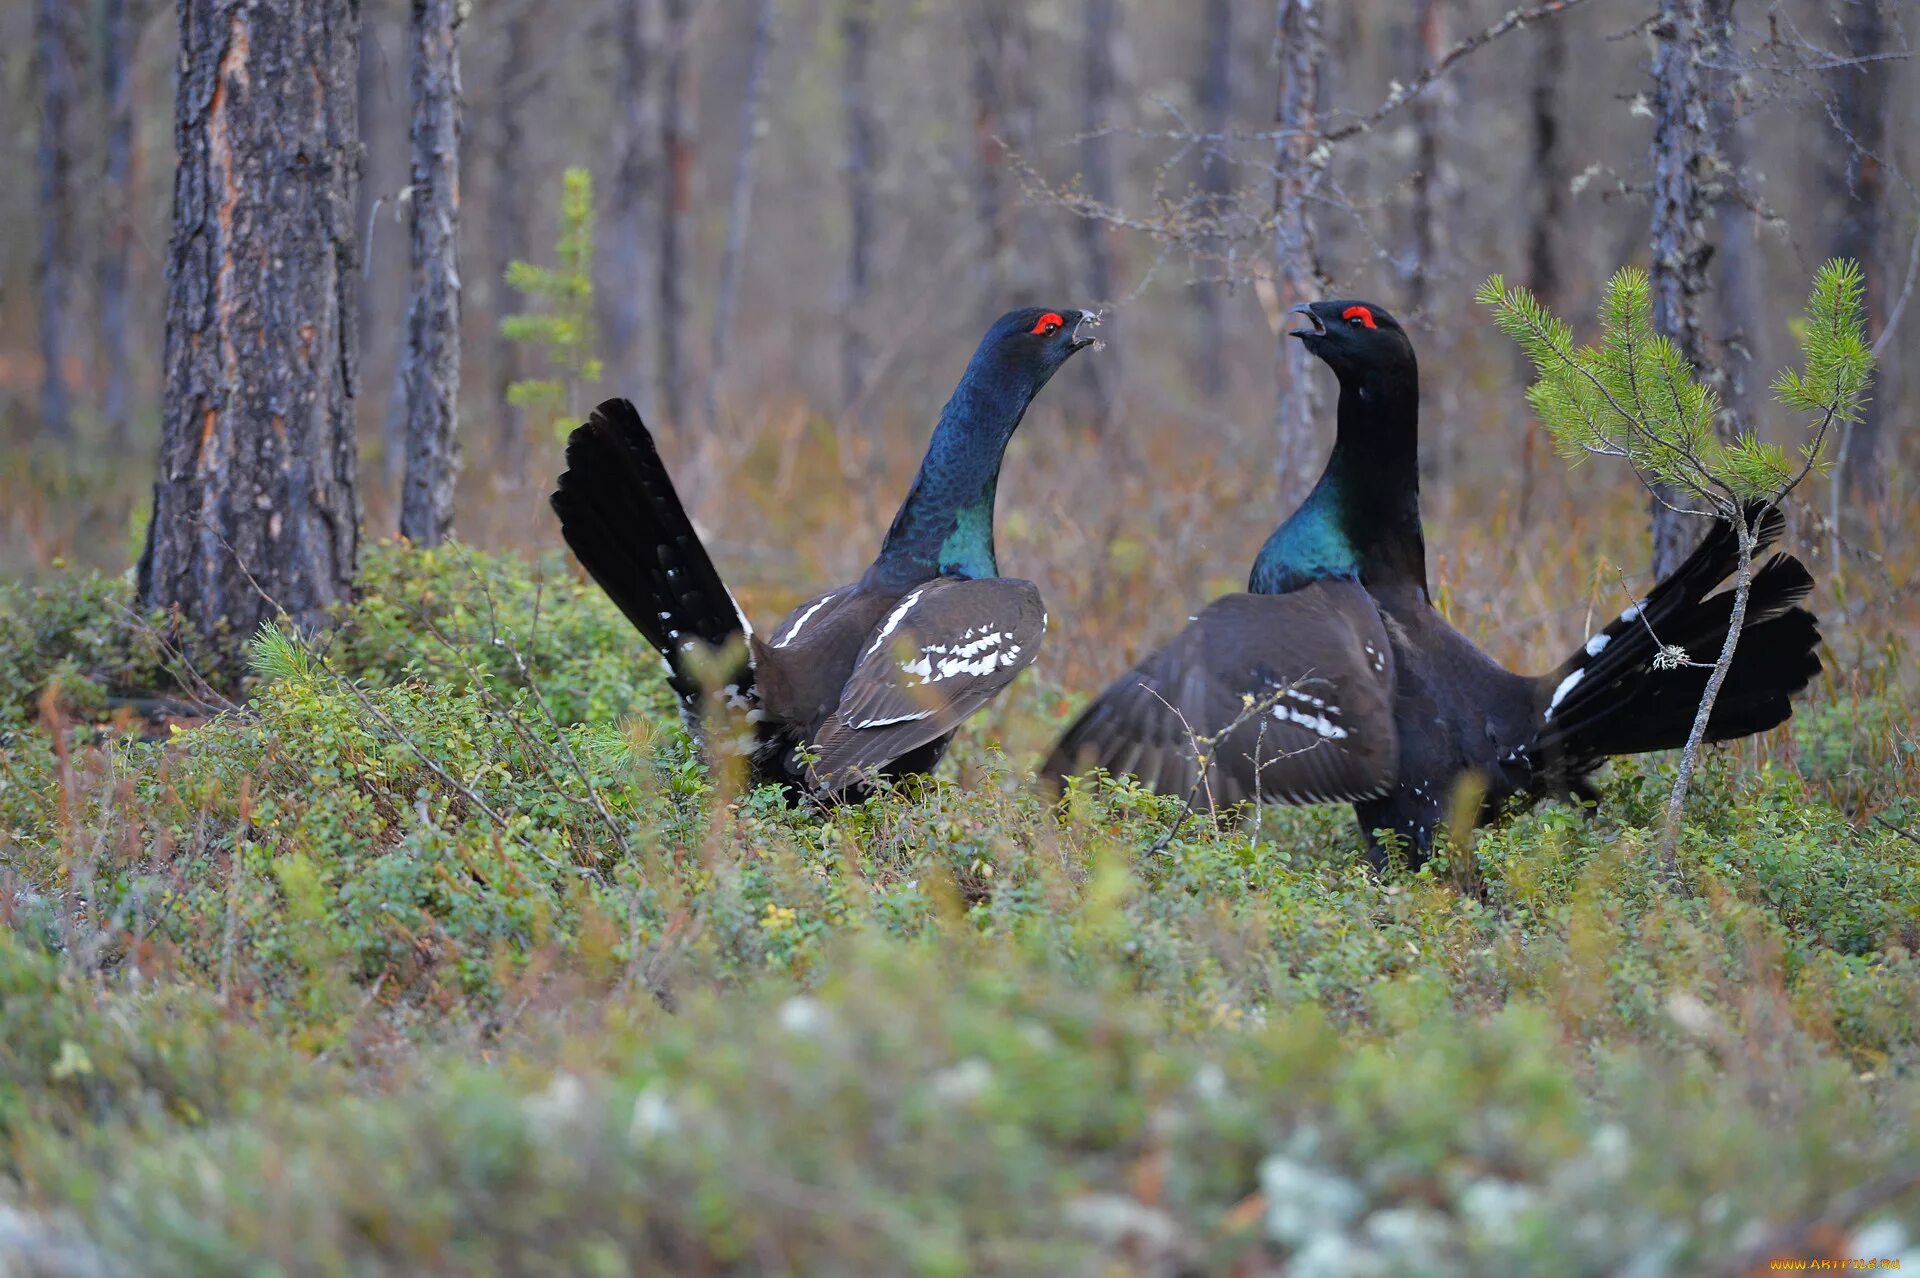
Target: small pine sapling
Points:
(564, 332)
(1632, 395)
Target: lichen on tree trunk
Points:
(432, 368)
(256, 498)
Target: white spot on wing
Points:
(898, 718)
(972, 656)
(1597, 644)
(793, 631)
(894, 618)
(1632, 613)
(1567, 685)
(1319, 723)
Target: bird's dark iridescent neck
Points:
(1361, 522)
(945, 526)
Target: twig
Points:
(1403, 94)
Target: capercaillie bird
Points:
(864, 679)
(1334, 678)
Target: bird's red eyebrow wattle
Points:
(1051, 317)
(1360, 313)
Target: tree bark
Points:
(1737, 230)
(676, 238)
(432, 369)
(630, 263)
(856, 102)
(1547, 189)
(740, 205)
(1300, 165)
(1098, 98)
(118, 24)
(508, 238)
(987, 22)
(1863, 118)
(1683, 157)
(1215, 94)
(53, 56)
(1549, 179)
(257, 490)
(1433, 187)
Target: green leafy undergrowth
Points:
(961, 1111)
(442, 954)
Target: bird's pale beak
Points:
(1082, 335)
(1311, 328)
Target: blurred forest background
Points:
(862, 186)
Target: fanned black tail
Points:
(620, 514)
(1623, 694)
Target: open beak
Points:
(1312, 327)
(1082, 332)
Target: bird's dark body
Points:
(866, 680)
(1455, 714)
(1410, 709)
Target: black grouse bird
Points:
(1335, 680)
(873, 676)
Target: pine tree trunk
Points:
(117, 172)
(54, 82)
(1215, 94)
(1296, 259)
(1098, 99)
(1433, 189)
(1736, 228)
(1547, 188)
(856, 101)
(508, 238)
(676, 238)
(986, 21)
(629, 282)
(740, 205)
(432, 358)
(1863, 117)
(256, 494)
(1548, 180)
(1435, 206)
(1682, 154)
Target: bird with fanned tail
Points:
(865, 679)
(1334, 678)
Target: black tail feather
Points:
(621, 516)
(1613, 696)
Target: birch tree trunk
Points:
(257, 490)
(856, 101)
(740, 205)
(53, 73)
(1299, 164)
(1682, 156)
(432, 369)
(676, 239)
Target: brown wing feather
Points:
(1294, 692)
(945, 650)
